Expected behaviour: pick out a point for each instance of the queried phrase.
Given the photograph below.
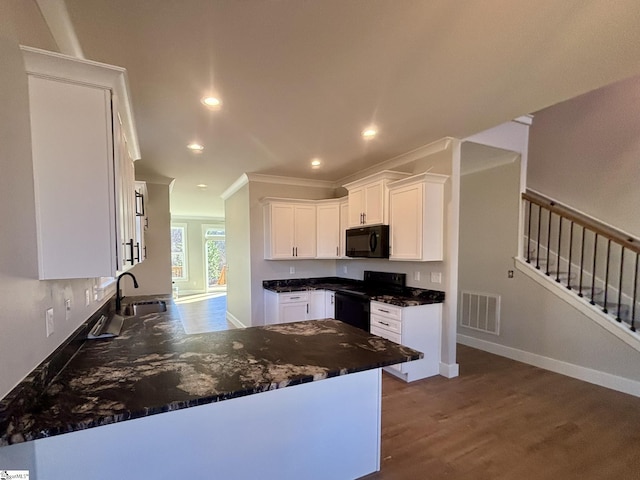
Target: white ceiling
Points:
(301, 78)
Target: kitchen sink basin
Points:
(143, 308)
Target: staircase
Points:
(593, 262)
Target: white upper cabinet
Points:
(416, 218)
(80, 177)
(328, 229)
(289, 229)
(368, 198)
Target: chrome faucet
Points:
(119, 293)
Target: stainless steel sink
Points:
(143, 308)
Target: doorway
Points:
(215, 256)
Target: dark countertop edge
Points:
(179, 405)
(418, 296)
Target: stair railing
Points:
(606, 258)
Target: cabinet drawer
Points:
(394, 337)
(386, 323)
(293, 297)
(386, 310)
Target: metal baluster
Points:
(529, 235)
(570, 255)
(635, 296)
(549, 240)
(558, 251)
(538, 247)
(606, 277)
(620, 283)
(581, 262)
(593, 270)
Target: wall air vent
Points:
(480, 311)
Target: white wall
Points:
(154, 274)
(23, 299)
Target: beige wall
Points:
(154, 274)
(237, 229)
(23, 299)
(585, 152)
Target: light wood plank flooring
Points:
(502, 419)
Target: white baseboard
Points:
(449, 370)
(231, 318)
(603, 379)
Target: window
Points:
(178, 252)
(215, 255)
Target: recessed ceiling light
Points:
(315, 163)
(213, 103)
(202, 185)
(195, 147)
(369, 133)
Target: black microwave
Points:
(368, 242)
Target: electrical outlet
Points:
(416, 276)
(510, 273)
(49, 321)
(436, 277)
(67, 309)
(87, 297)
(292, 270)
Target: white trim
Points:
(524, 119)
(213, 220)
(449, 370)
(503, 159)
(296, 181)
(607, 380)
(402, 159)
(591, 311)
(56, 16)
(232, 319)
(235, 186)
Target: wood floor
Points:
(502, 419)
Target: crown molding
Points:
(402, 159)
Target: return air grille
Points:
(480, 311)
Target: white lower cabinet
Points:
(295, 306)
(316, 305)
(417, 327)
(329, 304)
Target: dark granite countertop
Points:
(154, 367)
(407, 297)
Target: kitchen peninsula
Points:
(224, 409)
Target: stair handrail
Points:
(613, 234)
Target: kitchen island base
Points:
(327, 429)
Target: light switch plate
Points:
(436, 277)
(416, 276)
(67, 309)
(87, 297)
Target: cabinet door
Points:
(356, 206)
(329, 304)
(293, 312)
(374, 203)
(328, 231)
(282, 232)
(405, 222)
(72, 152)
(317, 305)
(305, 231)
